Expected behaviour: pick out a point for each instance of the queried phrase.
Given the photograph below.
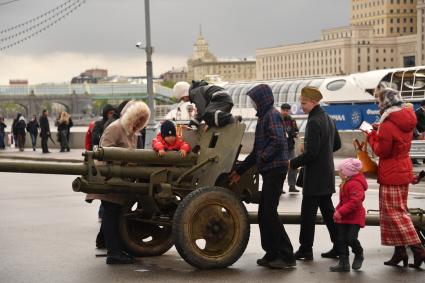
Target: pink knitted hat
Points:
(350, 167)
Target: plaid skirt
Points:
(396, 226)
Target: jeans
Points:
(309, 207)
(274, 239)
(346, 235)
(33, 140)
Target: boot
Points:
(100, 241)
(119, 258)
(330, 254)
(342, 266)
(292, 189)
(418, 256)
(358, 261)
(400, 254)
(303, 255)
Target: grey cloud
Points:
(232, 27)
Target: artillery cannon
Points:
(184, 202)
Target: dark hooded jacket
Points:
(202, 95)
(99, 125)
(270, 146)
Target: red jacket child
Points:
(350, 209)
(169, 140)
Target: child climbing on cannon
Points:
(168, 140)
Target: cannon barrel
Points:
(143, 155)
(372, 219)
(82, 169)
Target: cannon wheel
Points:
(141, 238)
(211, 228)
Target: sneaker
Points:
(330, 254)
(303, 255)
(292, 189)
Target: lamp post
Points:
(150, 129)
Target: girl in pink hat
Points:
(350, 214)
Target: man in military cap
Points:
(321, 140)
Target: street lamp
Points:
(150, 129)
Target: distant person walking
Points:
(321, 140)
(64, 124)
(391, 143)
(15, 129)
(2, 133)
(20, 126)
(44, 131)
(291, 130)
(32, 129)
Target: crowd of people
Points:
(34, 127)
(273, 154)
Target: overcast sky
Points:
(103, 33)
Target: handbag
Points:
(369, 166)
(300, 178)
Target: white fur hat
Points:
(180, 90)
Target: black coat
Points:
(20, 127)
(44, 127)
(32, 127)
(420, 116)
(2, 127)
(202, 97)
(321, 140)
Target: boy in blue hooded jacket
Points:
(270, 155)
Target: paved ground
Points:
(47, 235)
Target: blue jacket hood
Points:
(262, 95)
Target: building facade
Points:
(203, 63)
(383, 34)
(175, 75)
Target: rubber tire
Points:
(180, 234)
(143, 250)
